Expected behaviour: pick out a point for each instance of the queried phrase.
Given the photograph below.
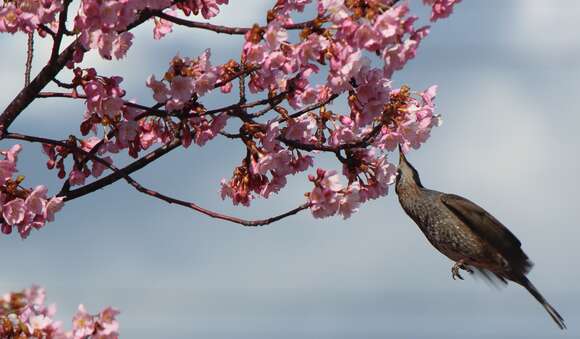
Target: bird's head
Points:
(407, 175)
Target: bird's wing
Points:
(483, 224)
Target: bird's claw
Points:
(455, 270)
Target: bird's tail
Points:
(525, 282)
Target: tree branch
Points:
(124, 173)
(29, 56)
(154, 110)
(334, 149)
(310, 108)
(223, 29)
(60, 32)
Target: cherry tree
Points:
(280, 85)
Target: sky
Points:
(508, 78)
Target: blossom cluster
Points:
(268, 163)
(184, 78)
(103, 24)
(27, 15)
(349, 50)
(22, 208)
(25, 315)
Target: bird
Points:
(466, 233)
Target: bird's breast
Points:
(444, 230)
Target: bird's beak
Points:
(402, 157)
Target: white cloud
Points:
(546, 28)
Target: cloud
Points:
(546, 28)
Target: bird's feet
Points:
(459, 265)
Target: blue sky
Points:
(508, 78)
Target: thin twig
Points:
(47, 30)
(124, 173)
(334, 149)
(29, 55)
(310, 108)
(223, 29)
(63, 84)
(154, 110)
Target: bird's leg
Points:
(455, 269)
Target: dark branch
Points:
(223, 29)
(364, 142)
(60, 32)
(310, 108)
(29, 56)
(124, 173)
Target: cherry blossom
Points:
(27, 15)
(24, 315)
(22, 208)
(441, 8)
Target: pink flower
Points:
(441, 8)
(126, 132)
(344, 132)
(311, 48)
(416, 127)
(36, 201)
(83, 323)
(77, 177)
(8, 165)
(372, 92)
(388, 24)
(238, 193)
(323, 202)
(207, 131)
(39, 323)
(366, 37)
(109, 326)
(397, 56)
(121, 44)
(206, 82)
(286, 6)
(388, 139)
(54, 205)
(163, 27)
(275, 35)
(7, 169)
(26, 16)
(273, 186)
(350, 200)
(182, 88)
(14, 211)
(255, 53)
(301, 129)
(208, 8)
(335, 9)
(325, 197)
(12, 153)
(345, 66)
(160, 90)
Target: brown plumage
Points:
(466, 234)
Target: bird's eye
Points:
(398, 173)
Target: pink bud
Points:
(6, 229)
